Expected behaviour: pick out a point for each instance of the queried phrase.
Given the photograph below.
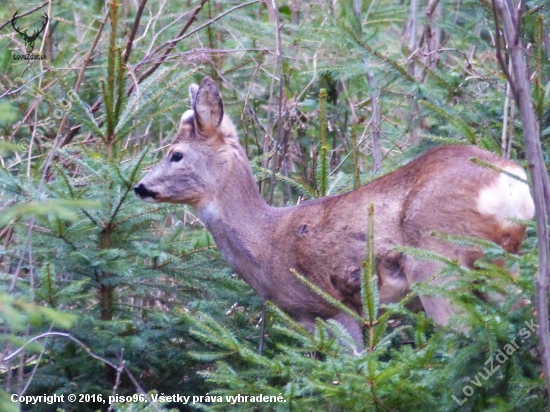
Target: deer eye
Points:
(176, 157)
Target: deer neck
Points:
(239, 220)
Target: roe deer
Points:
(324, 239)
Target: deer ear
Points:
(193, 93)
(208, 106)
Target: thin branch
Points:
(245, 104)
(280, 64)
(85, 63)
(90, 353)
(95, 107)
(172, 43)
(412, 35)
(25, 14)
(539, 176)
(499, 53)
(130, 42)
(117, 380)
(139, 388)
(182, 35)
(36, 365)
(431, 37)
(262, 330)
(63, 335)
(503, 144)
(375, 124)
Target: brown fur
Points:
(324, 239)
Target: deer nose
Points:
(142, 191)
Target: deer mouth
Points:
(145, 194)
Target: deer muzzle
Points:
(143, 193)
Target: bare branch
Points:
(500, 58)
(63, 335)
(280, 131)
(412, 35)
(130, 42)
(375, 124)
(26, 14)
(171, 44)
(85, 63)
(539, 176)
(183, 35)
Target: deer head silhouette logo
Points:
(29, 40)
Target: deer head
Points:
(204, 152)
(29, 40)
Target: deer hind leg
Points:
(308, 324)
(421, 270)
(437, 308)
(352, 326)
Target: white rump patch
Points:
(507, 197)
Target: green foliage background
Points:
(143, 286)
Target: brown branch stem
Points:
(130, 42)
(539, 176)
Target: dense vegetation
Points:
(115, 296)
